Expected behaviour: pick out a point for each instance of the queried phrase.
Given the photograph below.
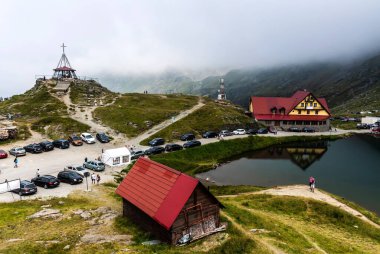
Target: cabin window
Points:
(116, 161)
(302, 104)
(284, 122)
(315, 104)
(273, 110)
(299, 112)
(314, 123)
(282, 111)
(308, 112)
(316, 112)
(125, 159)
(307, 123)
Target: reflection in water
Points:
(301, 154)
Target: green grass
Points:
(343, 125)
(37, 102)
(211, 117)
(59, 127)
(205, 157)
(232, 190)
(84, 91)
(130, 113)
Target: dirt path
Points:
(83, 114)
(165, 124)
(303, 191)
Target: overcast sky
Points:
(120, 37)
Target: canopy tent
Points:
(116, 157)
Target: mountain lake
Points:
(348, 167)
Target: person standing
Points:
(85, 159)
(38, 173)
(98, 178)
(93, 178)
(312, 183)
(16, 162)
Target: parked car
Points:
(157, 142)
(252, 131)
(47, 146)
(239, 132)
(79, 169)
(136, 154)
(33, 148)
(61, 143)
(154, 150)
(173, 147)
(17, 151)
(294, 129)
(307, 129)
(46, 181)
(26, 188)
(225, 133)
(3, 154)
(102, 137)
(88, 138)
(70, 177)
(75, 140)
(94, 165)
(262, 131)
(272, 129)
(187, 137)
(192, 143)
(210, 134)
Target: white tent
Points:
(116, 157)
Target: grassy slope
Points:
(212, 116)
(45, 113)
(137, 108)
(80, 91)
(295, 225)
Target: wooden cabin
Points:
(168, 203)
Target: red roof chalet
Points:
(162, 192)
(262, 107)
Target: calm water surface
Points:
(348, 167)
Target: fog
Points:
(121, 37)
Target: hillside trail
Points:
(304, 191)
(265, 243)
(84, 115)
(166, 123)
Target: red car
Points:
(3, 154)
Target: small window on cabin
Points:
(308, 112)
(316, 112)
(302, 104)
(299, 112)
(315, 104)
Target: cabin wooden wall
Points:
(201, 204)
(145, 222)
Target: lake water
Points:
(347, 167)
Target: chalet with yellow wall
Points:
(301, 110)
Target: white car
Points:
(77, 168)
(239, 132)
(87, 137)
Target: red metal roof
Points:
(262, 105)
(64, 68)
(159, 191)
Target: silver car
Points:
(17, 151)
(94, 165)
(79, 169)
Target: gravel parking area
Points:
(51, 163)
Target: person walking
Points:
(38, 172)
(16, 162)
(312, 183)
(85, 159)
(98, 178)
(93, 178)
